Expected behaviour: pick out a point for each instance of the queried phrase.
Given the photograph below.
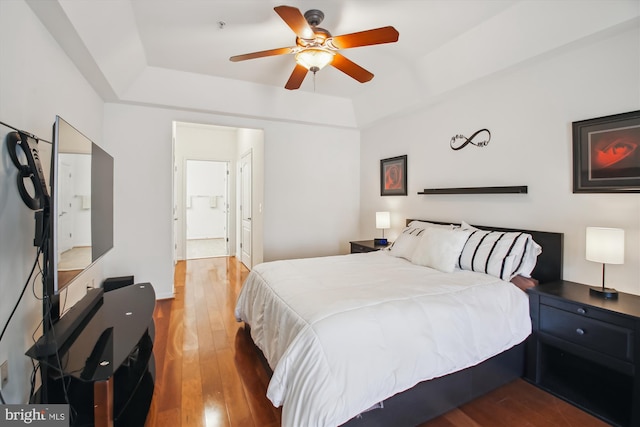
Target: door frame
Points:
(248, 138)
(241, 187)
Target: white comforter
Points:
(345, 332)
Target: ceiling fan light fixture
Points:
(314, 59)
(315, 47)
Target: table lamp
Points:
(383, 220)
(605, 245)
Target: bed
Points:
(396, 337)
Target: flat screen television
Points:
(81, 218)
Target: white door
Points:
(245, 210)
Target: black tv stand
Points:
(67, 326)
(105, 370)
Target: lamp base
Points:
(382, 241)
(606, 293)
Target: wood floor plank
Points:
(192, 409)
(454, 418)
(161, 316)
(237, 405)
(215, 406)
(254, 381)
(168, 418)
(168, 394)
(206, 347)
(213, 398)
(557, 412)
(210, 374)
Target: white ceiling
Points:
(186, 36)
(443, 44)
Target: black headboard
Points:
(549, 265)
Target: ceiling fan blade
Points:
(365, 38)
(295, 19)
(351, 69)
(261, 54)
(296, 78)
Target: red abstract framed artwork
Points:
(393, 176)
(606, 154)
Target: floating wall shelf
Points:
(520, 189)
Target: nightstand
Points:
(586, 350)
(361, 246)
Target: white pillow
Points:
(440, 248)
(499, 253)
(425, 224)
(466, 226)
(406, 242)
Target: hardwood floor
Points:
(208, 372)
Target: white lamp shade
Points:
(383, 220)
(605, 245)
(310, 58)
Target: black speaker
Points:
(113, 283)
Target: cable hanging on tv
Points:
(30, 169)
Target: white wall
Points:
(310, 179)
(529, 112)
(37, 81)
(311, 191)
(207, 199)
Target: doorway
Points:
(207, 208)
(197, 141)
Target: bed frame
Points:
(430, 399)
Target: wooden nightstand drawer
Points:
(363, 246)
(606, 338)
(357, 248)
(589, 311)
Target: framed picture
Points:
(393, 176)
(606, 154)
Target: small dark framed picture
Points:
(393, 176)
(606, 154)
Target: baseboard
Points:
(168, 295)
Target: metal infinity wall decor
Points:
(466, 141)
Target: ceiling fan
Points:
(316, 48)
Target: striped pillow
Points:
(499, 253)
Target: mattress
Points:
(343, 333)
